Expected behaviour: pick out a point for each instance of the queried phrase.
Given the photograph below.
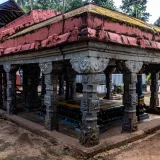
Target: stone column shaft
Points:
(43, 91)
(90, 108)
(30, 86)
(50, 72)
(141, 104)
(51, 101)
(109, 86)
(130, 101)
(130, 98)
(70, 84)
(154, 100)
(61, 85)
(89, 67)
(1, 91)
(11, 87)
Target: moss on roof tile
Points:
(92, 8)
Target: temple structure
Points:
(89, 40)
(9, 11)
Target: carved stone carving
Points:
(133, 66)
(10, 68)
(89, 136)
(11, 87)
(130, 98)
(130, 124)
(89, 67)
(51, 99)
(46, 68)
(89, 64)
(7, 67)
(11, 92)
(90, 108)
(154, 100)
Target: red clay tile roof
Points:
(87, 22)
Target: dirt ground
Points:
(143, 149)
(17, 143)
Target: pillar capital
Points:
(89, 64)
(133, 66)
(48, 67)
(130, 66)
(10, 67)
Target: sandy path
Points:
(17, 143)
(143, 149)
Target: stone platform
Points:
(113, 138)
(111, 113)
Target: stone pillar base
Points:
(89, 136)
(129, 124)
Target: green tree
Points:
(47, 4)
(71, 4)
(137, 9)
(28, 5)
(105, 3)
(157, 23)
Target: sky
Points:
(152, 8)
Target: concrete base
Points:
(112, 138)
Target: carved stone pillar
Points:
(43, 91)
(11, 87)
(50, 72)
(1, 90)
(4, 89)
(31, 75)
(70, 84)
(140, 107)
(61, 85)
(130, 99)
(109, 86)
(89, 67)
(154, 100)
(108, 72)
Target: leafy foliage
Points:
(148, 78)
(105, 3)
(28, 5)
(137, 9)
(157, 23)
